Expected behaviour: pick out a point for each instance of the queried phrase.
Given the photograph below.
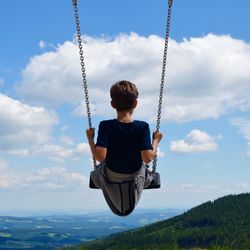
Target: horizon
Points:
(77, 212)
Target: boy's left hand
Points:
(90, 132)
(157, 135)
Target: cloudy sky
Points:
(44, 159)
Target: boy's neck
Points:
(124, 116)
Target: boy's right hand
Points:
(157, 135)
(90, 132)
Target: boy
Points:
(123, 146)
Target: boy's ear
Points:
(134, 104)
(112, 104)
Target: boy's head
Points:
(124, 95)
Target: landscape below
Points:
(223, 224)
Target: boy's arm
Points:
(99, 153)
(148, 155)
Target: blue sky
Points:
(44, 158)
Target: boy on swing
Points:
(123, 147)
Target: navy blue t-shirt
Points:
(124, 142)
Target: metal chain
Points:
(84, 78)
(158, 122)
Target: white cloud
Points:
(66, 140)
(244, 129)
(54, 178)
(210, 73)
(22, 125)
(195, 141)
(67, 149)
(61, 152)
(27, 131)
(20, 152)
(56, 75)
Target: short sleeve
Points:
(145, 140)
(102, 138)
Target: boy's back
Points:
(124, 143)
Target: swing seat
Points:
(92, 184)
(155, 183)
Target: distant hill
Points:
(222, 224)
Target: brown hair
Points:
(123, 95)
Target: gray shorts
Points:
(122, 192)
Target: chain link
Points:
(170, 2)
(164, 63)
(84, 78)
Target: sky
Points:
(44, 156)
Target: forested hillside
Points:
(222, 224)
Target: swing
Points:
(155, 183)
